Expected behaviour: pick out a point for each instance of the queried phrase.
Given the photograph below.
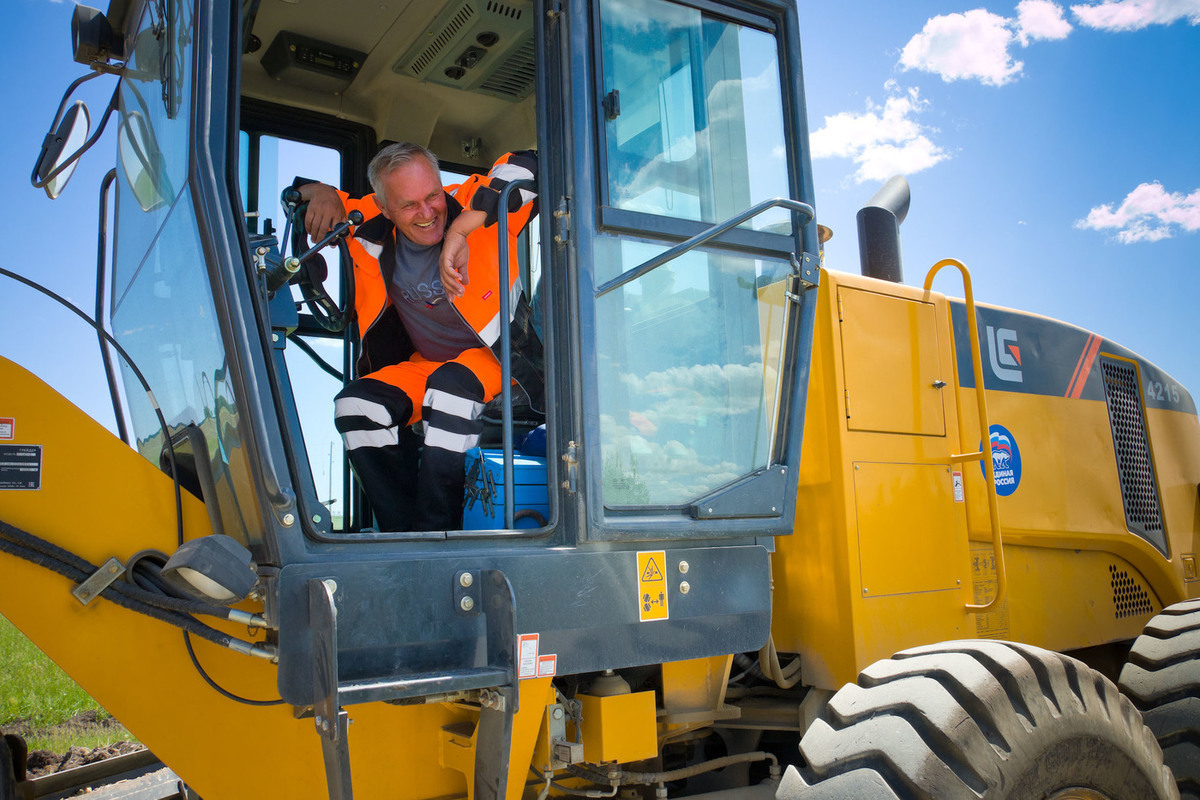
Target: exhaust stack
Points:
(879, 231)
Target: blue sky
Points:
(1052, 148)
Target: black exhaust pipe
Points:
(879, 231)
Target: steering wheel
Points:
(313, 271)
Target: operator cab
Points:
(693, 122)
(320, 93)
(668, 267)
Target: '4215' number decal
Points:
(1164, 393)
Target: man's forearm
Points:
(453, 262)
(325, 208)
(467, 222)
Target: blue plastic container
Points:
(483, 507)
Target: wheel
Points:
(1162, 678)
(979, 719)
(313, 272)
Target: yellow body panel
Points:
(886, 553)
(896, 554)
(875, 503)
(619, 727)
(1066, 599)
(99, 498)
(892, 343)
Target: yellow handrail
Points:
(983, 455)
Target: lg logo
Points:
(1004, 354)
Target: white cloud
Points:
(1148, 214)
(1040, 19)
(1132, 15)
(960, 46)
(881, 141)
(977, 44)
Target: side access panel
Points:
(879, 558)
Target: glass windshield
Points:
(688, 373)
(693, 114)
(688, 354)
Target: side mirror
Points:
(61, 150)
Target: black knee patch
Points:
(455, 379)
(395, 403)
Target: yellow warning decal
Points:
(652, 586)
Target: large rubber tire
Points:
(1162, 678)
(979, 719)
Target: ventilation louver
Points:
(481, 47)
(1135, 468)
(1130, 598)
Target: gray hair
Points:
(391, 158)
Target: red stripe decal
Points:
(1084, 367)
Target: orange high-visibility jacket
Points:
(384, 341)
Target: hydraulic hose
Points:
(624, 777)
(172, 610)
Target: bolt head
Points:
(289, 519)
(684, 587)
(466, 604)
(465, 579)
(683, 567)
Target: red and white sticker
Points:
(8, 429)
(547, 666)
(527, 655)
(530, 662)
(957, 479)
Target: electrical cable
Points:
(551, 783)
(649, 778)
(162, 421)
(110, 376)
(187, 642)
(768, 661)
(321, 363)
(178, 619)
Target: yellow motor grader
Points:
(783, 531)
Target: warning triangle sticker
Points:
(652, 572)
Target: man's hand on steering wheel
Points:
(325, 209)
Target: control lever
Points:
(308, 269)
(337, 234)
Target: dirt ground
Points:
(44, 762)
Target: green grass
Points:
(60, 742)
(36, 694)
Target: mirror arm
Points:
(62, 106)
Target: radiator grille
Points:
(1139, 489)
(1130, 598)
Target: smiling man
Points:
(427, 305)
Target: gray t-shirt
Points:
(437, 331)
